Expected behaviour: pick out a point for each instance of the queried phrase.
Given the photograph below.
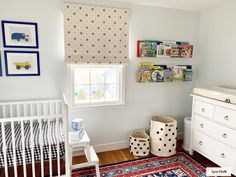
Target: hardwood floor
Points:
(111, 157)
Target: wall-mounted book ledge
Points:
(160, 49)
(149, 72)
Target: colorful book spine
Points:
(170, 49)
(149, 72)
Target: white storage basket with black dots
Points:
(163, 136)
(139, 142)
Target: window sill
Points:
(121, 105)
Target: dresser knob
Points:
(224, 135)
(200, 142)
(201, 125)
(222, 155)
(203, 110)
(226, 118)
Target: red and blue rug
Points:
(178, 165)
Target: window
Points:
(97, 84)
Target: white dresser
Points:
(213, 130)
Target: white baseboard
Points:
(111, 146)
(106, 147)
(116, 145)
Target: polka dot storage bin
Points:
(163, 136)
(139, 143)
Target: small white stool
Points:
(91, 156)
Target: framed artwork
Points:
(19, 34)
(22, 63)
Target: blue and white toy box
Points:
(78, 129)
(76, 135)
(77, 124)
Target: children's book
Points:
(146, 65)
(160, 50)
(146, 76)
(188, 75)
(179, 73)
(167, 47)
(182, 43)
(186, 51)
(147, 48)
(175, 51)
(157, 75)
(168, 75)
(150, 65)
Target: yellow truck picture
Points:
(20, 65)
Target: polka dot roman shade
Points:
(96, 34)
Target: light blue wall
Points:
(106, 124)
(113, 124)
(217, 61)
(48, 15)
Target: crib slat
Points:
(24, 110)
(4, 149)
(56, 107)
(50, 108)
(4, 111)
(49, 145)
(23, 147)
(64, 110)
(57, 139)
(11, 112)
(58, 148)
(44, 108)
(50, 104)
(14, 148)
(32, 147)
(18, 110)
(41, 147)
(31, 109)
(38, 109)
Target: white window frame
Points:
(122, 91)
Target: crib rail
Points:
(30, 108)
(47, 116)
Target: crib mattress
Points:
(27, 137)
(217, 93)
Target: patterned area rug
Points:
(178, 165)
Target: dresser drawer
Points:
(226, 116)
(216, 131)
(226, 135)
(199, 142)
(204, 109)
(205, 126)
(214, 150)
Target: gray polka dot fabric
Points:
(96, 34)
(139, 143)
(163, 136)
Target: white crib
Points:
(34, 138)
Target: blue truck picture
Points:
(20, 36)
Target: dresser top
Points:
(219, 93)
